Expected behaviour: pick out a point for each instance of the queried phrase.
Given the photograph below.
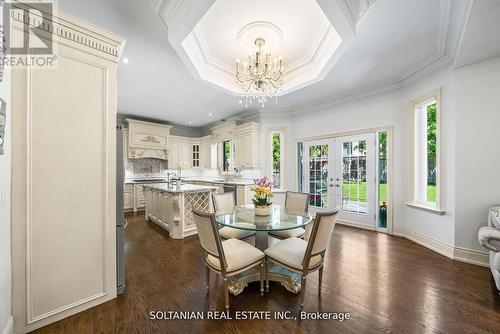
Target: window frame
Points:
(281, 133)
(418, 154)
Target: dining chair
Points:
(226, 258)
(224, 204)
(304, 257)
(295, 203)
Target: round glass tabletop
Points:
(244, 218)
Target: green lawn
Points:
(358, 192)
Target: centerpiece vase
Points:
(262, 210)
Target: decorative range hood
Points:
(147, 140)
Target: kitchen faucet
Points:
(168, 176)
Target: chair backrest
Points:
(223, 203)
(321, 234)
(296, 202)
(209, 236)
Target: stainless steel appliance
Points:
(120, 214)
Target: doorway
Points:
(345, 172)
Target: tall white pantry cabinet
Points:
(63, 176)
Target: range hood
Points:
(147, 140)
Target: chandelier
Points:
(261, 78)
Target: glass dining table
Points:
(280, 219)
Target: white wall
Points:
(431, 225)
(373, 112)
(5, 236)
(477, 89)
(470, 114)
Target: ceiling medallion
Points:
(261, 78)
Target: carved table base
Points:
(291, 281)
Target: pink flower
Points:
(263, 182)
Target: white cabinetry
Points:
(179, 149)
(206, 149)
(128, 197)
(147, 140)
(63, 173)
(139, 200)
(247, 146)
(191, 152)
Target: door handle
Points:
(336, 185)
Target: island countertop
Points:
(183, 188)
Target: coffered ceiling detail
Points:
(309, 35)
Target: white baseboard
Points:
(472, 256)
(9, 326)
(455, 253)
(355, 224)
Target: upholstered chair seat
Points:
(224, 204)
(297, 204)
(293, 233)
(239, 254)
(234, 233)
(301, 256)
(291, 252)
(227, 258)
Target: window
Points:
(426, 148)
(277, 157)
(226, 155)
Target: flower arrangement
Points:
(262, 197)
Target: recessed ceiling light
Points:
(125, 60)
(190, 122)
(210, 114)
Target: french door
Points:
(341, 173)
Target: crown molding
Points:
(444, 55)
(65, 29)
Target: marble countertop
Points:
(222, 181)
(183, 188)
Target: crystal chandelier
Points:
(261, 78)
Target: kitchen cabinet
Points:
(139, 200)
(191, 152)
(247, 146)
(128, 197)
(179, 149)
(206, 151)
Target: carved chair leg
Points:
(226, 293)
(320, 280)
(207, 273)
(262, 275)
(302, 291)
(267, 275)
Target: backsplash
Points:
(150, 168)
(146, 166)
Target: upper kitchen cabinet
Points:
(179, 149)
(247, 146)
(187, 152)
(206, 153)
(147, 140)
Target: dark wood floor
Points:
(387, 284)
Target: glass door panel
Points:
(319, 161)
(356, 178)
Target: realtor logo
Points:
(28, 34)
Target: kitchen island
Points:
(169, 206)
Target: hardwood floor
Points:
(387, 284)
